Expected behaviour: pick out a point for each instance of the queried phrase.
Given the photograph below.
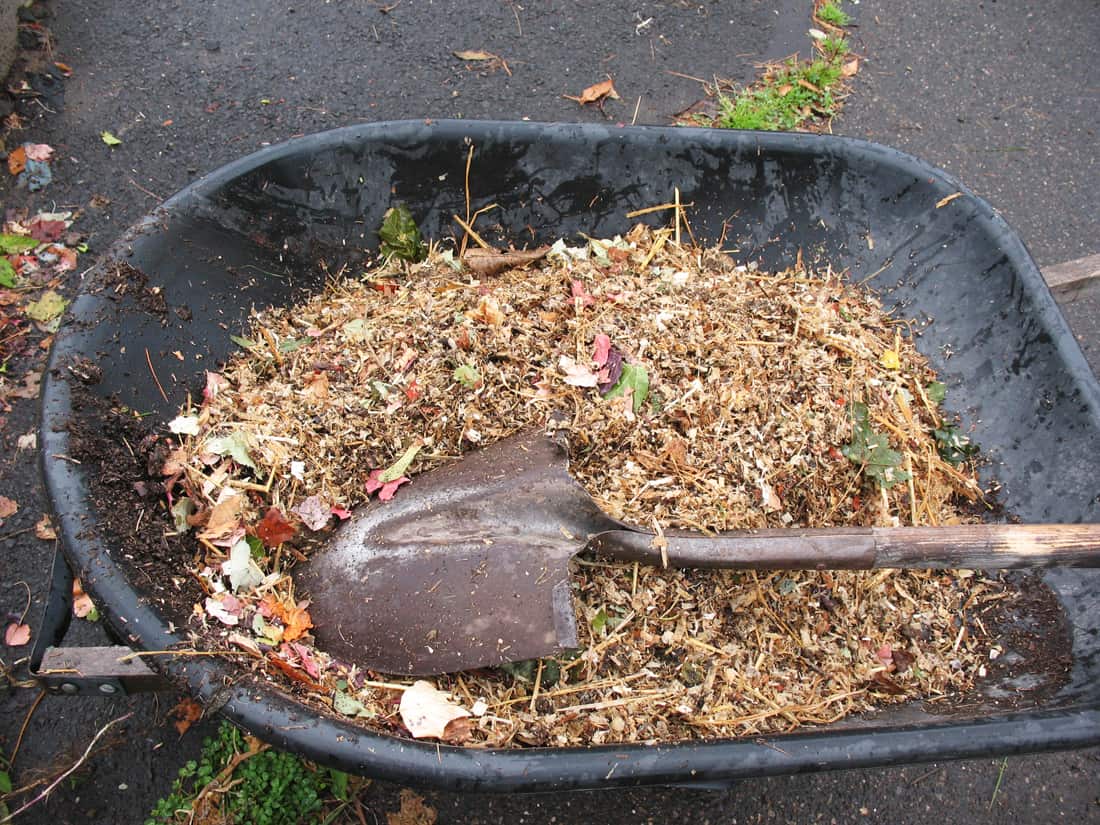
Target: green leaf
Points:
(7, 273)
(398, 468)
(235, 445)
(953, 446)
(109, 139)
(526, 671)
(92, 615)
(47, 308)
(936, 392)
(13, 244)
(348, 705)
(291, 344)
(871, 450)
(400, 236)
(468, 376)
(636, 378)
(256, 545)
(339, 783)
(242, 342)
(5, 782)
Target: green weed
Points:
(784, 100)
(831, 13)
(263, 787)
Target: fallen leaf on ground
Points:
(601, 349)
(30, 386)
(38, 151)
(46, 308)
(215, 383)
(184, 425)
(27, 441)
(65, 69)
(398, 468)
(47, 230)
(596, 93)
(17, 160)
(471, 54)
(17, 635)
(426, 711)
(297, 622)
(414, 811)
(187, 712)
(274, 529)
(8, 507)
(83, 606)
(109, 139)
(348, 705)
(487, 262)
(577, 375)
(44, 529)
(850, 68)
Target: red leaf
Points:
(17, 635)
(385, 490)
(341, 513)
(601, 348)
(274, 529)
(48, 231)
(578, 291)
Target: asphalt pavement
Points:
(1003, 95)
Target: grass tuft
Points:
(831, 13)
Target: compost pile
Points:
(695, 394)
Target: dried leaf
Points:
(316, 389)
(225, 608)
(38, 151)
(181, 509)
(475, 55)
(215, 383)
(83, 606)
(487, 312)
(8, 507)
(596, 92)
(488, 262)
(274, 529)
(850, 67)
(17, 635)
(44, 529)
(580, 294)
(241, 568)
(17, 160)
(47, 230)
(314, 512)
(426, 711)
(187, 712)
(225, 518)
(577, 375)
(297, 622)
(184, 425)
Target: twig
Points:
(470, 231)
(23, 728)
(997, 787)
(149, 361)
(143, 189)
(67, 773)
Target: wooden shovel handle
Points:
(975, 546)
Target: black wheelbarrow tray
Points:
(252, 233)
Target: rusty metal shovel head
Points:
(467, 567)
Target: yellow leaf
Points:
(890, 360)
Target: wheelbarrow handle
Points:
(973, 546)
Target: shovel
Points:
(469, 566)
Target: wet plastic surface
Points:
(252, 233)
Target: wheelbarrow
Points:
(254, 234)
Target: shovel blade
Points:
(466, 567)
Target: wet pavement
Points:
(1004, 96)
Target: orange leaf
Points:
(17, 160)
(82, 602)
(187, 712)
(44, 529)
(17, 635)
(294, 673)
(596, 92)
(297, 622)
(274, 529)
(64, 68)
